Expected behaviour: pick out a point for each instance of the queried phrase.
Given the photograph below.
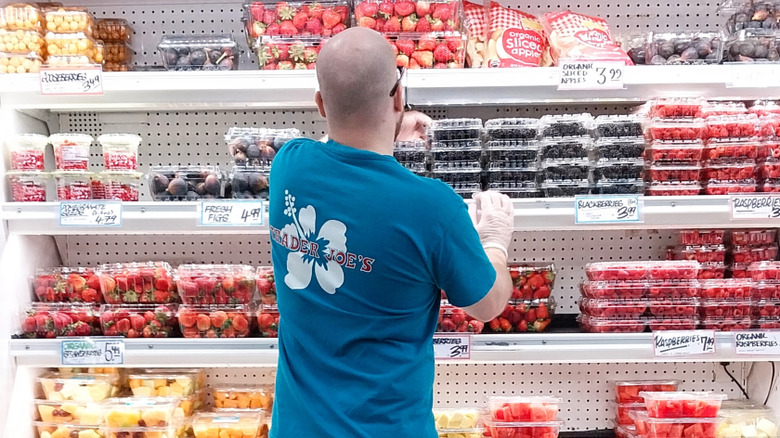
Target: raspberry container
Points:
(560, 190)
(623, 409)
(667, 107)
(767, 323)
(229, 424)
(768, 270)
(660, 324)
(523, 408)
(677, 129)
(618, 171)
(73, 185)
(268, 321)
(618, 188)
(614, 290)
(250, 182)
(512, 154)
(681, 174)
(727, 324)
(648, 427)
(266, 284)
(134, 283)
(727, 309)
(682, 404)
(27, 151)
(456, 418)
(20, 63)
(257, 146)
(703, 253)
(744, 126)
(723, 109)
(411, 155)
(243, 397)
(198, 52)
(513, 191)
(769, 187)
(20, 16)
(113, 29)
(739, 270)
(717, 151)
(455, 129)
(673, 290)
(512, 129)
(702, 237)
(565, 149)
(139, 321)
(79, 387)
(731, 289)
(618, 148)
(216, 284)
(71, 151)
(640, 270)
(743, 172)
(523, 429)
(725, 188)
(673, 189)
(65, 284)
(611, 308)
(769, 126)
(628, 390)
(751, 254)
(68, 20)
(120, 151)
(620, 126)
(51, 320)
(753, 237)
(710, 271)
(687, 151)
(215, 321)
(566, 125)
(27, 186)
(610, 325)
(672, 308)
(185, 183)
(566, 172)
(770, 169)
(766, 309)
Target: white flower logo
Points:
(331, 239)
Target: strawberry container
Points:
(216, 284)
(243, 397)
(708, 271)
(232, 424)
(702, 237)
(610, 325)
(618, 188)
(523, 408)
(517, 129)
(723, 109)
(767, 270)
(287, 53)
(20, 63)
(673, 189)
(406, 16)
(27, 186)
(667, 107)
(628, 390)
(677, 129)
(21, 16)
(120, 186)
(524, 429)
(743, 126)
(726, 188)
(703, 253)
(614, 290)
(566, 172)
(739, 171)
(134, 283)
(618, 148)
(639, 270)
(566, 149)
(672, 308)
(73, 185)
(113, 30)
(673, 290)
(268, 321)
(648, 427)
(65, 284)
(727, 324)
(753, 237)
(412, 155)
(71, 151)
(138, 320)
(717, 151)
(51, 320)
(215, 321)
(120, 151)
(621, 171)
(512, 154)
(523, 316)
(429, 50)
(766, 309)
(532, 281)
(299, 18)
(185, 183)
(685, 151)
(682, 404)
(27, 151)
(198, 52)
(67, 20)
(767, 323)
(731, 289)
(623, 409)
(79, 387)
(618, 126)
(455, 319)
(257, 146)
(266, 284)
(729, 309)
(612, 308)
(682, 174)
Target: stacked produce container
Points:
(693, 413)
(69, 37)
(22, 45)
(116, 34)
(458, 422)
(564, 152)
(628, 400)
(618, 155)
(523, 416)
(456, 153)
(512, 154)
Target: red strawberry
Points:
(137, 322)
(442, 54)
(423, 25)
(505, 325)
(386, 9)
(316, 10)
(312, 66)
(343, 12)
(402, 60)
(393, 25)
(269, 17)
(476, 326)
(299, 20)
(83, 329)
(422, 8)
(123, 326)
(542, 312)
(273, 29)
(439, 65)
(426, 42)
(256, 10)
(447, 325)
(436, 25)
(455, 44)
(314, 26)
(404, 8)
(530, 316)
(90, 295)
(495, 325)
(413, 64)
(366, 9)
(423, 58)
(442, 11)
(409, 24)
(339, 28)
(380, 24)
(522, 327)
(458, 316)
(330, 19)
(541, 325)
(395, 49)
(405, 46)
(367, 22)
(287, 28)
(271, 66)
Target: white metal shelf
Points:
(504, 348)
(142, 91)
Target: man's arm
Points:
(495, 301)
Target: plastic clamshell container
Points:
(73, 185)
(523, 408)
(741, 172)
(120, 151)
(723, 109)
(185, 183)
(566, 125)
(673, 290)
(725, 188)
(71, 44)
(515, 178)
(456, 418)
(224, 321)
(618, 188)
(558, 190)
(640, 270)
(512, 154)
(512, 129)
(649, 427)
(20, 16)
(673, 189)
(618, 171)
(71, 60)
(766, 309)
(767, 270)
(622, 411)
(261, 17)
(625, 431)
(199, 52)
(27, 151)
(702, 237)
(452, 59)
(134, 283)
(744, 126)
(120, 186)
(628, 390)
(735, 423)
(66, 284)
(515, 317)
(703, 253)
(668, 107)
(618, 126)
(22, 41)
(216, 284)
(677, 129)
(749, 254)
(709, 271)
(611, 308)
(728, 150)
(161, 384)
(727, 324)
(272, 52)
(67, 430)
(27, 186)
(266, 284)
(172, 431)
(250, 182)
(79, 387)
(412, 155)
(512, 191)
(764, 107)
(71, 151)
(753, 237)
(243, 397)
(682, 404)
(232, 424)
(113, 30)
(681, 174)
(68, 20)
(20, 63)
(731, 289)
(684, 151)
(125, 412)
(672, 307)
(268, 320)
(572, 172)
(618, 148)
(257, 146)
(523, 429)
(614, 290)
(68, 412)
(770, 169)
(455, 129)
(139, 321)
(610, 325)
(565, 149)
(461, 433)
(700, 48)
(675, 323)
(51, 320)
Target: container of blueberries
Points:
(512, 154)
(198, 52)
(618, 148)
(412, 155)
(627, 125)
(566, 125)
(565, 149)
(515, 191)
(684, 48)
(512, 129)
(186, 183)
(558, 190)
(565, 172)
(752, 45)
(257, 146)
(616, 188)
(250, 182)
(455, 129)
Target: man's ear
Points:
(398, 100)
(320, 105)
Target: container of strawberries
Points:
(138, 283)
(215, 321)
(216, 284)
(429, 50)
(521, 316)
(288, 53)
(266, 284)
(138, 320)
(297, 18)
(532, 281)
(52, 320)
(455, 319)
(67, 285)
(395, 16)
(268, 320)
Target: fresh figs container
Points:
(198, 52)
(684, 48)
(250, 182)
(120, 151)
(73, 185)
(28, 186)
(186, 183)
(257, 146)
(27, 151)
(71, 151)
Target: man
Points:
(361, 248)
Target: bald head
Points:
(356, 70)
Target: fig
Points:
(253, 152)
(177, 187)
(183, 63)
(200, 189)
(212, 184)
(226, 64)
(680, 47)
(193, 195)
(703, 49)
(637, 55)
(689, 54)
(747, 49)
(159, 183)
(267, 153)
(258, 183)
(197, 58)
(658, 60)
(761, 52)
(666, 50)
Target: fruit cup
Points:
(27, 151)
(628, 390)
(541, 429)
(68, 412)
(687, 151)
(429, 50)
(234, 424)
(566, 172)
(677, 129)
(185, 183)
(215, 321)
(649, 427)
(51, 320)
(727, 188)
(608, 308)
(161, 385)
(523, 316)
(216, 284)
(753, 237)
(198, 52)
(133, 283)
(71, 151)
(64, 284)
(731, 289)
(138, 320)
(455, 319)
(767, 323)
(287, 53)
(623, 410)
(131, 412)
(566, 190)
(120, 151)
(532, 281)
(523, 408)
(71, 44)
(610, 325)
(297, 18)
(702, 237)
(120, 186)
(52, 430)
(243, 397)
(73, 185)
(268, 321)
(682, 404)
(266, 284)
(79, 387)
(397, 16)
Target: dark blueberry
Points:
(159, 183)
(212, 184)
(177, 187)
(666, 50)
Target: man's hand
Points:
(413, 126)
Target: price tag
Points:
(231, 213)
(753, 76)
(684, 342)
(90, 214)
(447, 347)
(72, 80)
(93, 352)
(607, 209)
(755, 207)
(757, 343)
(591, 75)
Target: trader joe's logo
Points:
(593, 37)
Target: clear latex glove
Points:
(413, 126)
(494, 219)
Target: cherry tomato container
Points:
(27, 151)
(120, 151)
(71, 151)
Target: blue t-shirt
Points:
(361, 247)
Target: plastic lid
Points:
(513, 144)
(676, 144)
(121, 175)
(27, 174)
(644, 417)
(178, 41)
(192, 270)
(651, 396)
(645, 382)
(111, 268)
(72, 174)
(27, 141)
(115, 140)
(260, 133)
(57, 139)
(455, 124)
(456, 145)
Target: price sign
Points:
(755, 206)
(93, 352)
(72, 80)
(90, 214)
(753, 76)
(607, 209)
(684, 342)
(447, 347)
(231, 213)
(591, 75)
(757, 343)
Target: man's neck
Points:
(374, 142)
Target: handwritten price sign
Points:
(755, 207)
(93, 352)
(63, 81)
(607, 209)
(90, 214)
(757, 343)
(448, 347)
(231, 213)
(589, 75)
(684, 342)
